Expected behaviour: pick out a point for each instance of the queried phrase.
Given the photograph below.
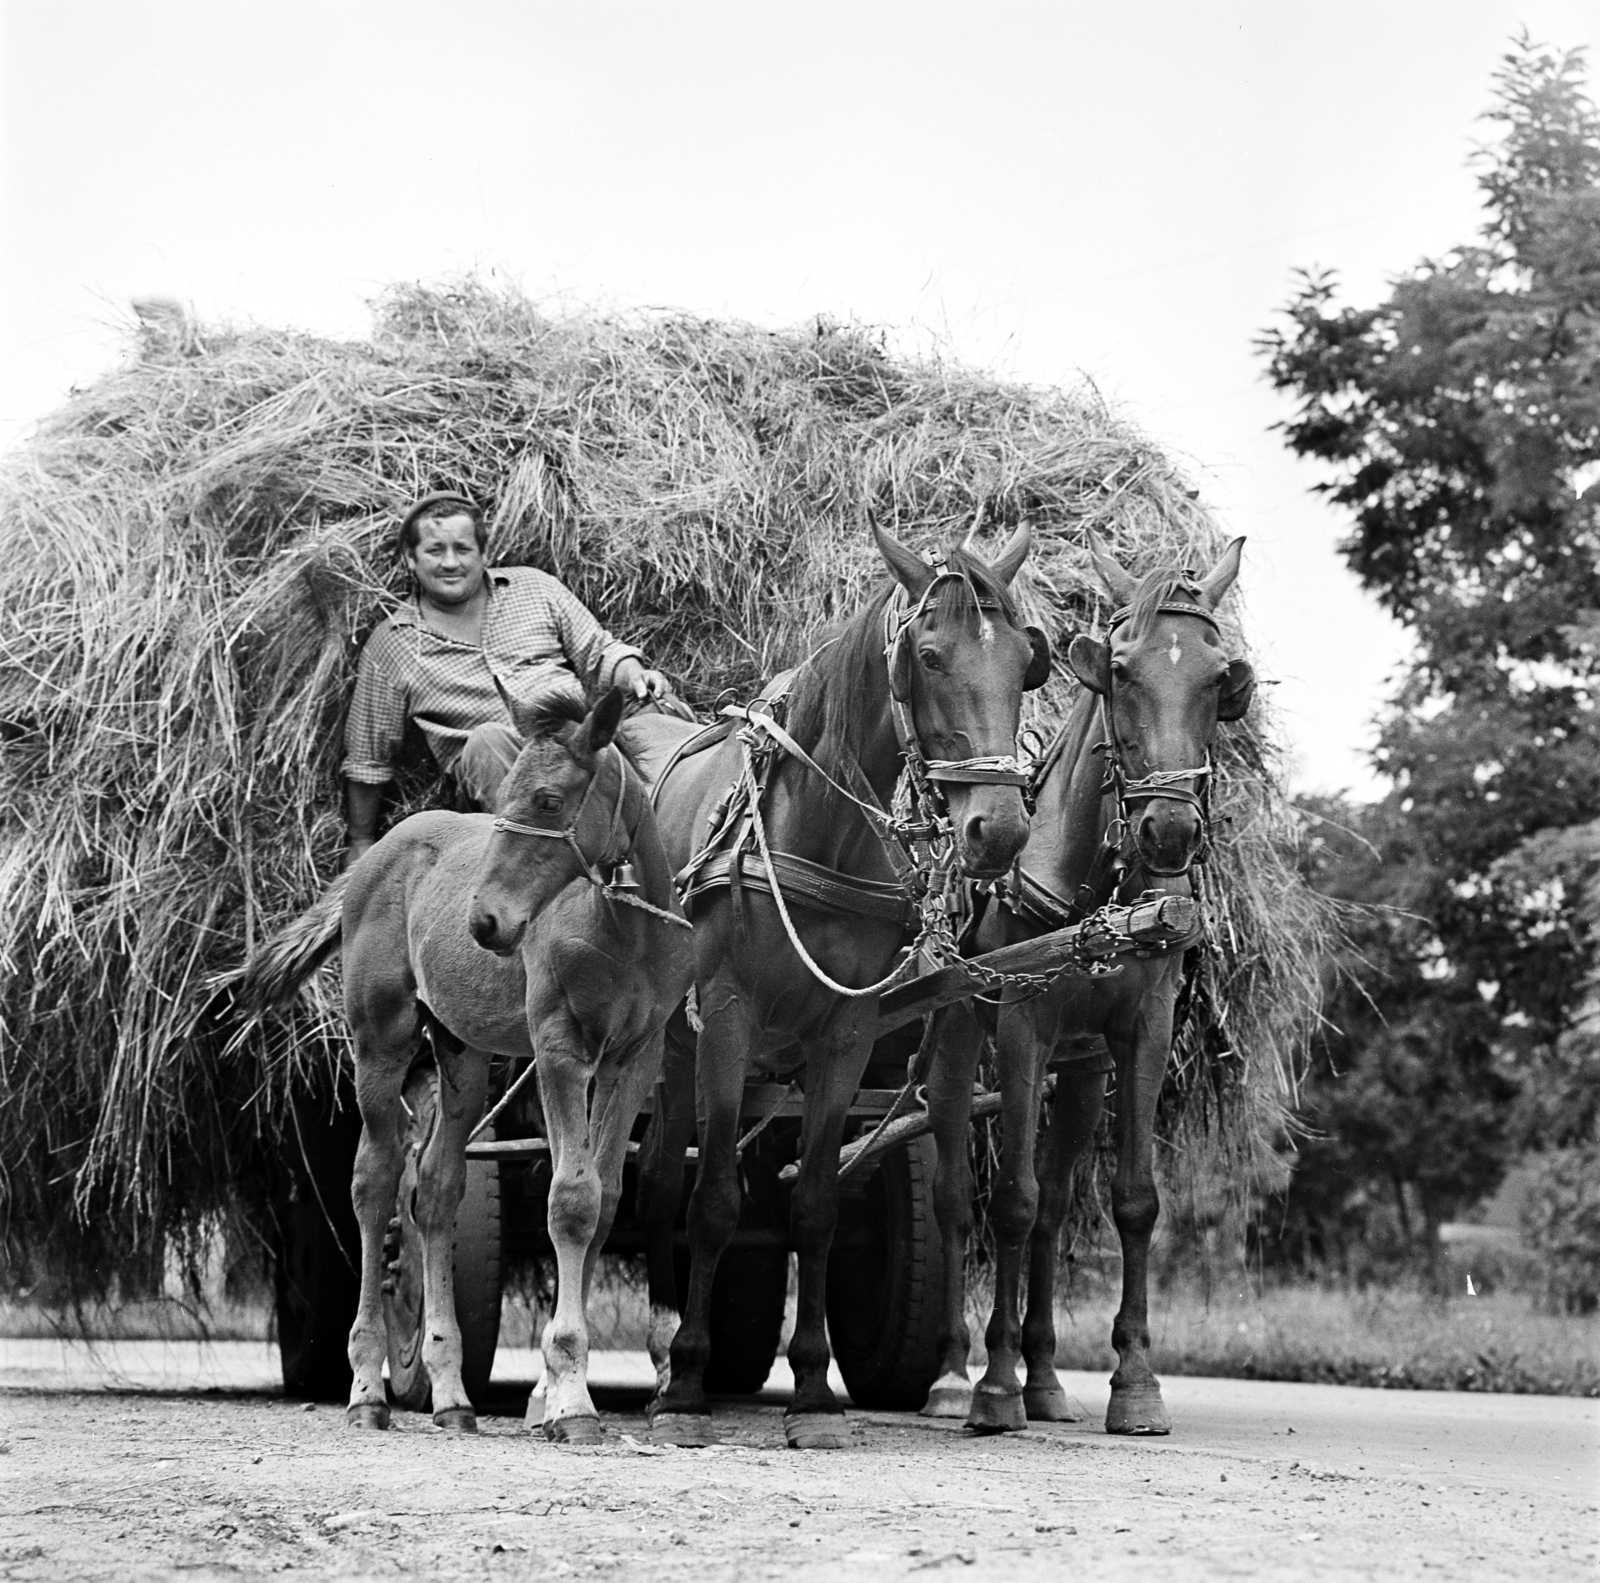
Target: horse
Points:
(799, 918)
(1103, 830)
(550, 933)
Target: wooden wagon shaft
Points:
(1114, 931)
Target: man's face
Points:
(447, 562)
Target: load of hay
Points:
(198, 544)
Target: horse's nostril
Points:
(973, 831)
(484, 926)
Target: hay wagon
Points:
(885, 1277)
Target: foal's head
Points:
(563, 781)
(1166, 683)
(960, 667)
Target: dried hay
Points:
(199, 542)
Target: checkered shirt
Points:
(533, 630)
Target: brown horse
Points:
(550, 933)
(931, 672)
(1104, 829)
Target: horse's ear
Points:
(1091, 663)
(601, 725)
(1220, 578)
(1238, 687)
(1009, 561)
(1038, 672)
(1109, 570)
(910, 570)
(520, 718)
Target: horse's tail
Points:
(274, 973)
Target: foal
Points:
(517, 936)
(1105, 828)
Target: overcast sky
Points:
(1051, 191)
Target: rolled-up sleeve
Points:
(376, 724)
(593, 652)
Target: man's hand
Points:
(632, 676)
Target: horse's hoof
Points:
(1049, 1404)
(582, 1429)
(457, 1420)
(367, 1415)
(948, 1398)
(1137, 1410)
(815, 1431)
(682, 1429)
(995, 1411)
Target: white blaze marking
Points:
(985, 629)
(1174, 653)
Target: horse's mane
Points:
(554, 710)
(1162, 586)
(846, 673)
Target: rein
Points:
(616, 888)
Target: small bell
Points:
(623, 878)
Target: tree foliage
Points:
(1457, 423)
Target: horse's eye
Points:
(547, 802)
(931, 659)
(1120, 672)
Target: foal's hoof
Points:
(995, 1411)
(1137, 1410)
(457, 1420)
(948, 1397)
(582, 1429)
(815, 1431)
(367, 1415)
(682, 1429)
(1049, 1404)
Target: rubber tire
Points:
(477, 1266)
(316, 1265)
(747, 1302)
(885, 1297)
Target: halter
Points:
(618, 886)
(1158, 785)
(987, 769)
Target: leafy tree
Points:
(1458, 423)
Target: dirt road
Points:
(1257, 1481)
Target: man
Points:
(437, 661)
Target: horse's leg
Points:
(1136, 1407)
(441, 1180)
(835, 1064)
(1019, 1057)
(684, 1416)
(385, 1029)
(619, 1096)
(1074, 1116)
(572, 1218)
(959, 1044)
(660, 1190)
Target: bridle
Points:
(925, 774)
(1158, 785)
(618, 887)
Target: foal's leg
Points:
(660, 1190)
(684, 1416)
(619, 1096)
(834, 1068)
(959, 1044)
(385, 1029)
(574, 1215)
(1074, 1116)
(441, 1180)
(1136, 1407)
(1020, 1053)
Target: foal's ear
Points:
(601, 725)
(1091, 663)
(521, 718)
(910, 570)
(1238, 688)
(1109, 570)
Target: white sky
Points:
(1051, 191)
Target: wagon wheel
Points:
(885, 1281)
(476, 1265)
(317, 1256)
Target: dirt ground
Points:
(1257, 1481)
